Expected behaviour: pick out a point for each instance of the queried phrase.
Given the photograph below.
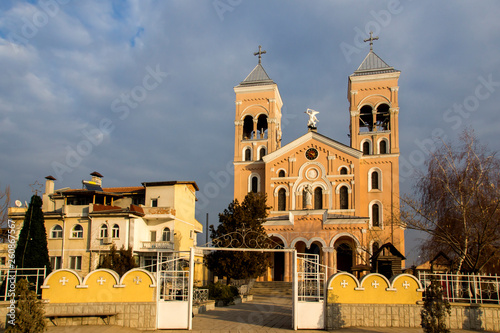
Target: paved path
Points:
(261, 315)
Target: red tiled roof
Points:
(100, 208)
(123, 189)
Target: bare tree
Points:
(4, 213)
(457, 204)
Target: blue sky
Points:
(143, 90)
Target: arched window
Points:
(282, 199)
(375, 180)
(262, 126)
(56, 232)
(281, 173)
(262, 153)
(375, 215)
(383, 147)
(165, 236)
(343, 171)
(366, 118)
(344, 199)
(366, 148)
(255, 183)
(116, 231)
(103, 231)
(248, 154)
(77, 231)
(318, 198)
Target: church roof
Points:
(315, 136)
(373, 64)
(258, 76)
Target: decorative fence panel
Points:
(466, 288)
(8, 278)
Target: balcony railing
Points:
(158, 245)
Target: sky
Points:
(142, 90)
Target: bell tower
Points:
(373, 98)
(257, 128)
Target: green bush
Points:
(221, 292)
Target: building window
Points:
(56, 232)
(343, 171)
(281, 173)
(262, 153)
(282, 199)
(366, 148)
(55, 262)
(255, 183)
(103, 231)
(153, 236)
(3, 261)
(383, 147)
(318, 198)
(344, 199)
(375, 180)
(75, 262)
(77, 231)
(116, 231)
(165, 236)
(154, 202)
(375, 215)
(248, 154)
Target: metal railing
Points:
(158, 245)
(311, 278)
(9, 277)
(465, 288)
(200, 295)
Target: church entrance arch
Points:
(344, 257)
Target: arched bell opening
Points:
(383, 118)
(262, 126)
(248, 133)
(366, 119)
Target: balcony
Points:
(159, 213)
(157, 245)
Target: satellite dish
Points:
(19, 203)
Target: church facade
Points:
(338, 201)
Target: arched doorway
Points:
(278, 264)
(344, 257)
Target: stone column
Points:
(328, 253)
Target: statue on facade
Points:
(308, 196)
(312, 118)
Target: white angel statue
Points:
(312, 117)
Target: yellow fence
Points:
(99, 286)
(345, 288)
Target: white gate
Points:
(310, 305)
(175, 289)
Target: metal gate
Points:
(175, 289)
(310, 303)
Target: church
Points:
(338, 201)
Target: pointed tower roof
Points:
(258, 76)
(373, 64)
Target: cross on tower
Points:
(371, 39)
(260, 53)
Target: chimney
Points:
(49, 189)
(97, 178)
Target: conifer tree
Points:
(29, 312)
(120, 261)
(240, 227)
(31, 250)
(435, 310)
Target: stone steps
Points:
(272, 288)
